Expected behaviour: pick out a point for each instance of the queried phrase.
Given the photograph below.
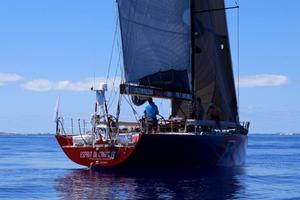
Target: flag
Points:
(56, 110)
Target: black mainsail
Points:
(213, 75)
(156, 43)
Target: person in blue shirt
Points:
(152, 111)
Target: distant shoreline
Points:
(6, 133)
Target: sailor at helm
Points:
(151, 111)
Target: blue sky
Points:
(54, 48)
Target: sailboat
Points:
(176, 50)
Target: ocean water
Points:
(34, 167)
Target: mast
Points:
(192, 6)
(181, 107)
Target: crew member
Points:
(152, 111)
(199, 109)
(143, 121)
(214, 113)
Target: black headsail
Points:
(213, 75)
(156, 47)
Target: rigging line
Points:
(136, 114)
(216, 9)
(134, 111)
(112, 50)
(181, 109)
(115, 44)
(120, 49)
(119, 65)
(113, 95)
(114, 89)
(119, 108)
(121, 60)
(115, 75)
(119, 46)
(238, 56)
(112, 101)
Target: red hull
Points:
(98, 156)
(161, 149)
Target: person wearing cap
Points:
(214, 113)
(151, 111)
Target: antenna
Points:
(94, 80)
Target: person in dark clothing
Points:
(199, 109)
(214, 113)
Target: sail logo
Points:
(138, 90)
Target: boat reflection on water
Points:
(198, 183)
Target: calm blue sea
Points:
(34, 167)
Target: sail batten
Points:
(153, 27)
